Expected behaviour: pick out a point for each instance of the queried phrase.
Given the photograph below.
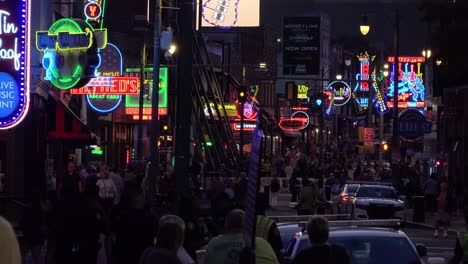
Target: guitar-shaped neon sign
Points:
(221, 13)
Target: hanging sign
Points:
(70, 49)
(14, 62)
(109, 98)
(411, 89)
(341, 91)
(413, 125)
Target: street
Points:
(418, 233)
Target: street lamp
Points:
(426, 53)
(339, 76)
(364, 27)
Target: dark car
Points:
(368, 245)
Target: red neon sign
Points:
(407, 59)
(109, 86)
(292, 124)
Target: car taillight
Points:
(345, 198)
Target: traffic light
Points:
(242, 94)
(164, 126)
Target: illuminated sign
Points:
(247, 126)
(413, 125)
(341, 91)
(407, 59)
(411, 90)
(361, 90)
(109, 85)
(133, 101)
(14, 62)
(302, 90)
(106, 97)
(292, 124)
(231, 109)
(226, 14)
(70, 49)
(146, 111)
(92, 11)
(97, 150)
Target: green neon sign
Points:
(134, 100)
(97, 151)
(64, 45)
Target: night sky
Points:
(345, 16)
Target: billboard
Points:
(226, 14)
(301, 45)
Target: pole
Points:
(241, 132)
(153, 175)
(183, 124)
(140, 102)
(396, 136)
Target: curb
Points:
(424, 226)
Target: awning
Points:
(64, 124)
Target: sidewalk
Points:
(457, 222)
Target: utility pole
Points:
(396, 136)
(142, 92)
(184, 97)
(153, 175)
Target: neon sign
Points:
(92, 10)
(107, 98)
(298, 120)
(109, 85)
(411, 90)
(361, 90)
(133, 101)
(231, 109)
(302, 90)
(70, 49)
(341, 91)
(14, 62)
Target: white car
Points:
(377, 202)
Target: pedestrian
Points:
(442, 217)
(431, 191)
(321, 251)
(307, 198)
(10, 250)
(227, 248)
(70, 182)
(169, 239)
(274, 191)
(294, 186)
(108, 193)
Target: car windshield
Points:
(376, 192)
(352, 189)
(369, 249)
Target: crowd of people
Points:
(100, 212)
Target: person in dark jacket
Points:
(307, 198)
(169, 239)
(321, 251)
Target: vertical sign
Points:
(14, 62)
(252, 184)
(301, 45)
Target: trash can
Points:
(418, 209)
